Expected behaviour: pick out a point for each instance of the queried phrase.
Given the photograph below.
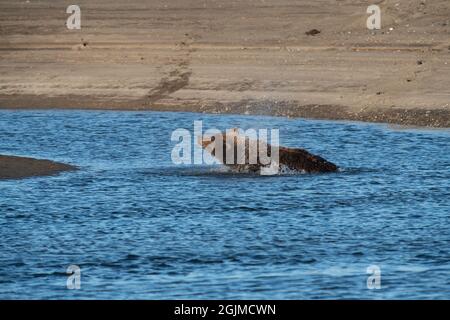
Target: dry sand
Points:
(222, 56)
(18, 167)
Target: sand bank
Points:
(12, 167)
(250, 57)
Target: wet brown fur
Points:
(293, 158)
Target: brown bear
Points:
(244, 154)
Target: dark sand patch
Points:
(12, 167)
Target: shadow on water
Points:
(224, 172)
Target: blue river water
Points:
(141, 227)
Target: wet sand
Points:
(249, 57)
(19, 167)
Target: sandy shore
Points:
(250, 57)
(18, 167)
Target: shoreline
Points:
(426, 118)
(226, 57)
(14, 167)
